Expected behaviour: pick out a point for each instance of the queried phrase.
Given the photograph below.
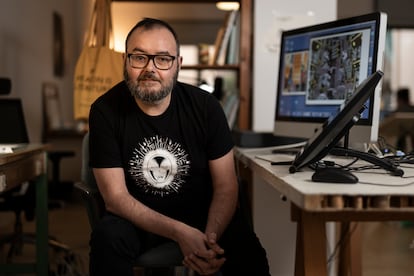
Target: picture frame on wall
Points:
(58, 45)
(51, 107)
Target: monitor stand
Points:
(375, 160)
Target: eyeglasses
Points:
(161, 62)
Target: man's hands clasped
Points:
(202, 253)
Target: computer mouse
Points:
(333, 175)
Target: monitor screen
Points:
(320, 67)
(12, 122)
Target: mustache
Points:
(148, 76)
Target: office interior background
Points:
(27, 58)
(26, 45)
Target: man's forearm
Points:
(221, 211)
(119, 201)
(144, 217)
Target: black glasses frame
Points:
(151, 57)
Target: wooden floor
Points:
(388, 247)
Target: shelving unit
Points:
(244, 67)
(210, 67)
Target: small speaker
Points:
(5, 86)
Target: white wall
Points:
(270, 16)
(26, 47)
(402, 60)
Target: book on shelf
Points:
(231, 106)
(233, 49)
(218, 42)
(223, 38)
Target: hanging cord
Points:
(344, 236)
(100, 32)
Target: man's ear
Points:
(180, 61)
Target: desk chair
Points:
(17, 201)
(165, 259)
(21, 201)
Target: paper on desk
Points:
(380, 177)
(276, 157)
(281, 147)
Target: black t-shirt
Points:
(165, 157)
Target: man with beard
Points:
(161, 153)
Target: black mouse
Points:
(333, 175)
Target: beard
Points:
(147, 93)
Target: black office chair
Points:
(21, 201)
(18, 201)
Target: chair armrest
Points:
(93, 202)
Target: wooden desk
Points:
(29, 163)
(314, 204)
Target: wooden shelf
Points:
(179, 1)
(210, 67)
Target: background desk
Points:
(25, 164)
(397, 125)
(314, 204)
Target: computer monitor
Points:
(335, 127)
(320, 67)
(12, 120)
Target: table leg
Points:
(350, 252)
(310, 245)
(42, 265)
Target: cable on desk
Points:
(373, 159)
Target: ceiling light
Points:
(227, 6)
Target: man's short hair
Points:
(151, 23)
